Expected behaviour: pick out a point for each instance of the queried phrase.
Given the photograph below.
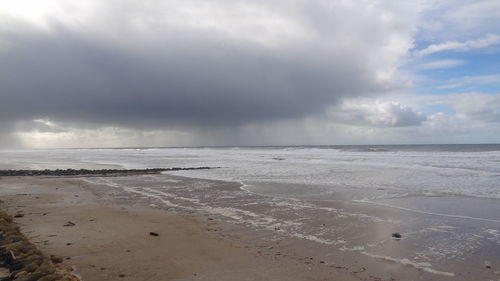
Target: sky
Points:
(124, 73)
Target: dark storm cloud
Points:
(177, 75)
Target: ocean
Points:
(443, 199)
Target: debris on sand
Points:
(70, 223)
(397, 235)
(56, 259)
(154, 233)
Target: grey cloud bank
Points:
(224, 72)
(143, 66)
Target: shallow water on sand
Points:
(439, 239)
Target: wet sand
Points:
(443, 237)
(214, 230)
(103, 240)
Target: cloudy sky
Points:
(264, 72)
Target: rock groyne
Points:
(92, 172)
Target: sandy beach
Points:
(249, 140)
(102, 240)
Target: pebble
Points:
(397, 235)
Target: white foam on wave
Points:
(235, 214)
(440, 228)
(440, 172)
(176, 197)
(494, 232)
(155, 196)
(101, 181)
(352, 249)
(425, 266)
(317, 239)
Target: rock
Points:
(21, 259)
(396, 235)
(154, 233)
(46, 268)
(19, 215)
(86, 172)
(69, 223)
(35, 276)
(56, 259)
(51, 277)
(5, 217)
(31, 267)
(4, 273)
(20, 274)
(16, 265)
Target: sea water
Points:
(443, 199)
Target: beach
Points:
(102, 240)
(249, 140)
(278, 213)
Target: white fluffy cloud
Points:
(459, 20)
(477, 107)
(471, 80)
(438, 64)
(486, 41)
(377, 113)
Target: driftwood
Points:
(12, 255)
(70, 223)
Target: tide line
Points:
(426, 213)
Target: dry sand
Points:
(113, 242)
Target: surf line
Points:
(426, 213)
(417, 265)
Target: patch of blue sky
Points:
(473, 71)
(433, 109)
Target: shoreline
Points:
(108, 241)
